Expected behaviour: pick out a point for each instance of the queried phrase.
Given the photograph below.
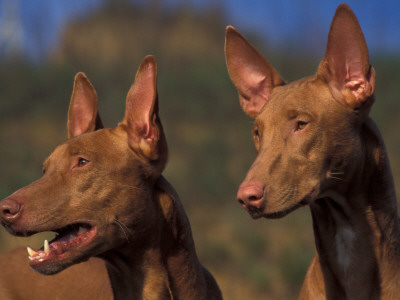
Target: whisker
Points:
(286, 195)
(332, 175)
(124, 228)
(337, 178)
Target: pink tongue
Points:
(57, 248)
(61, 245)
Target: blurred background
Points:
(43, 43)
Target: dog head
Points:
(307, 132)
(97, 188)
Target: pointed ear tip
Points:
(150, 60)
(148, 63)
(231, 31)
(80, 76)
(150, 57)
(343, 9)
(344, 6)
(232, 38)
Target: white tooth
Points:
(30, 251)
(71, 237)
(46, 246)
(41, 254)
(81, 230)
(30, 258)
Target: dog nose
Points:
(10, 210)
(251, 194)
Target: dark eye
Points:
(255, 132)
(82, 162)
(301, 125)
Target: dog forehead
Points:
(98, 142)
(307, 95)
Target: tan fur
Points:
(318, 147)
(109, 182)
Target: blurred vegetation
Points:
(208, 135)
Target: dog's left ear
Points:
(141, 120)
(345, 66)
(82, 114)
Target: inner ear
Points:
(141, 119)
(82, 114)
(250, 72)
(346, 65)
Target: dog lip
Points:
(303, 202)
(62, 248)
(22, 232)
(280, 214)
(255, 212)
(19, 232)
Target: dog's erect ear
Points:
(82, 114)
(250, 72)
(345, 66)
(141, 119)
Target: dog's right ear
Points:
(250, 72)
(82, 114)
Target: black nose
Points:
(10, 210)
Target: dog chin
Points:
(256, 214)
(271, 214)
(283, 212)
(51, 269)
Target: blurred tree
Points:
(11, 33)
(121, 32)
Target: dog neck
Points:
(166, 265)
(357, 228)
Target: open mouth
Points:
(68, 239)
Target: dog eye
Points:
(301, 125)
(255, 132)
(256, 138)
(82, 162)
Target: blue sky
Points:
(279, 21)
(284, 22)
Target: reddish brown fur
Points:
(318, 147)
(111, 179)
(84, 281)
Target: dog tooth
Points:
(30, 251)
(71, 237)
(41, 254)
(46, 246)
